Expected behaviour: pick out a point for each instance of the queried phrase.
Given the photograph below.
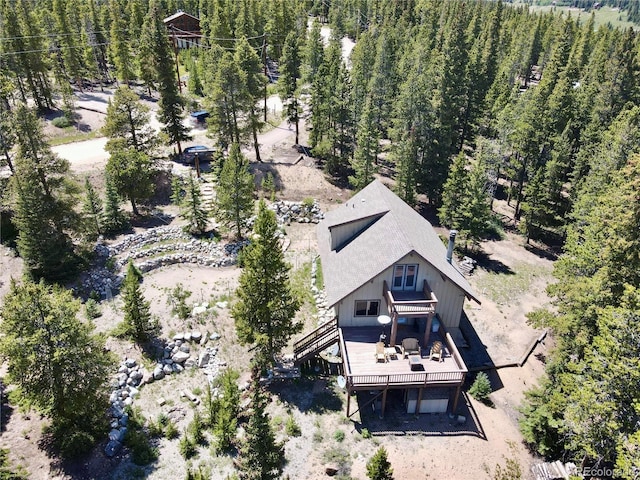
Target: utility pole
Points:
(264, 59)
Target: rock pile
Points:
(301, 212)
(129, 379)
(324, 312)
(176, 355)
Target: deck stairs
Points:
(313, 343)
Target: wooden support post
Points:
(394, 329)
(384, 402)
(455, 399)
(419, 400)
(348, 401)
(427, 332)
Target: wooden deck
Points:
(363, 372)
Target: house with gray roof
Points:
(392, 283)
(380, 256)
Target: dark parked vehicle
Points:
(205, 154)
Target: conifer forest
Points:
(457, 104)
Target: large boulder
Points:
(180, 357)
(203, 359)
(112, 448)
(158, 374)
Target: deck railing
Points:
(418, 379)
(320, 338)
(426, 304)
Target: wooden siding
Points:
(341, 233)
(450, 296)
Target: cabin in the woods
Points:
(184, 30)
(389, 278)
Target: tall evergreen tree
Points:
(265, 310)
(378, 467)
(191, 208)
(254, 84)
(137, 322)
(235, 191)
(260, 456)
(113, 218)
(365, 157)
(132, 174)
(120, 51)
(92, 209)
(45, 198)
(128, 119)
(171, 103)
(290, 66)
(224, 84)
(58, 365)
(67, 40)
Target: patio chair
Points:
(410, 346)
(437, 351)
(380, 355)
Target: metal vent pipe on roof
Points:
(452, 243)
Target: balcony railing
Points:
(427, 304)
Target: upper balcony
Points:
(410, 303)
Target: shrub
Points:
(378, 467)
(61, 122)
(338, 435)
(187, 447)
(307, 202)
(92, 309)
(196, 428)
(171, 431)
(142, 452)
(177, 299)
(365, 433)
(292, 428)
(481, 387)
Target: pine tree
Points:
(147, 67)
(128, 118)
(288, 82)
(260, 456)
(253, 88)
(365, 156)
(223, 83)
(265, 310)
(191, 208)
(92, 209)
(454, 194)
(378, 467)
(58, 365)
(119, 48)
(235, 191)
(113, 219)
(314, 53)
(137, 322)
(132, 174)
(45, 199)
(67, 40)
(171, 103)
(227, 408)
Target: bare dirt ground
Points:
(509, 281)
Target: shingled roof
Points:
(396, 230)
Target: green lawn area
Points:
(604, 15)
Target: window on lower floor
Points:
(367, 308)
